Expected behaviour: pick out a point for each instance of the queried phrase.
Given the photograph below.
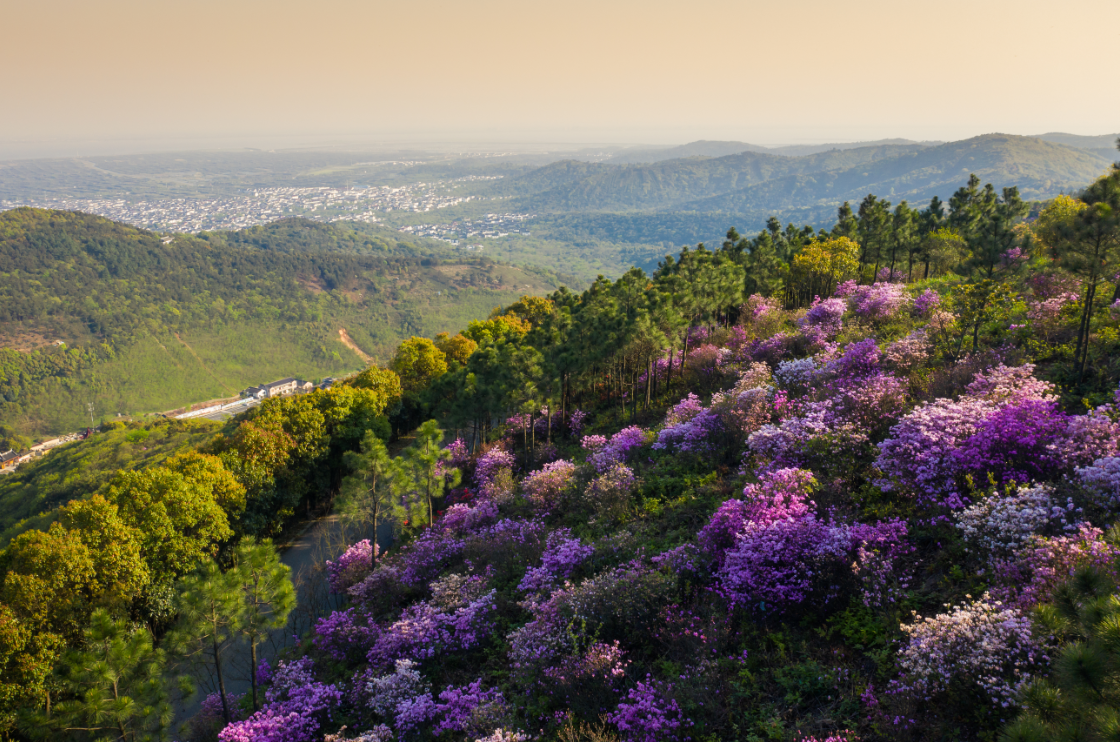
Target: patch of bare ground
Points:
(26, 341)
(349, 343)
(313, 284)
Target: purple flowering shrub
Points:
(345, 634)
(823, 321)
(1015, 443)
(493, 471)
(1102, 477)
(352, 567)
(562, 555)
(649, 713)
(771, 549)
(688, 427)
(748, 405)
(879, 301)
(603, 453)
(296, 707)
(926, 302)
(458, 617)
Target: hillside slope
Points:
(1040, 169)
(95, 312)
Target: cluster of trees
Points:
(570, 350)
(164, 567)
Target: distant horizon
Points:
(291, 143)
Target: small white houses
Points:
(280, 388)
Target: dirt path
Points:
(349, 343)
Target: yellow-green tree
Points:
(178, 516)
(27, 659)
(418, 362)
(456, 347)
(382, 381)
(120, 573)
(532, 309)
(51, 581)
(496, 328)
(820, 266)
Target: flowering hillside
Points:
(839, 523)
(805, 487)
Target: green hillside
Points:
(675, 182)
(31, 492)
(95, 312)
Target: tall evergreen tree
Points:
(267, 596)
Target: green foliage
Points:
(116, 687)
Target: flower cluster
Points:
(344, 634)
(1103, 478)
(490, 464)
(543, 488)
(1015, 443)
(604, 453)
(688, 425)
(981, 643)
(823, 321)
(908, 353)
(649, 713)
(880, 300)
(926, 302)
(352, 567)
(426, 629)
(562, 555)
(1045, 563)
(1004, 522)
(296, 707)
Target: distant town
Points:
(264, 205)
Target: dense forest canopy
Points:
(806, 485)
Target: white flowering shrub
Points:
(980, 643)
(1004, 522)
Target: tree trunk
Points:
(221, 679)
(253, 670)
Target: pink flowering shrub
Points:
(909, 353)
(352, 567)
(880, 300)
(772, 349)
(543, 488)
(981, 644)
(747, 406)
(461, 519)
(1009, 385)
(1091, 437)
(1045, 563)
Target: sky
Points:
(144, 75)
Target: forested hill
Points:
(752, 181)
(96, 312)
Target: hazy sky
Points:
(146, 73)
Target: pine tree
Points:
(117, 684)
(267, 595)
(211, 614)
(367, 494)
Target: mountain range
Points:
(752, 181)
